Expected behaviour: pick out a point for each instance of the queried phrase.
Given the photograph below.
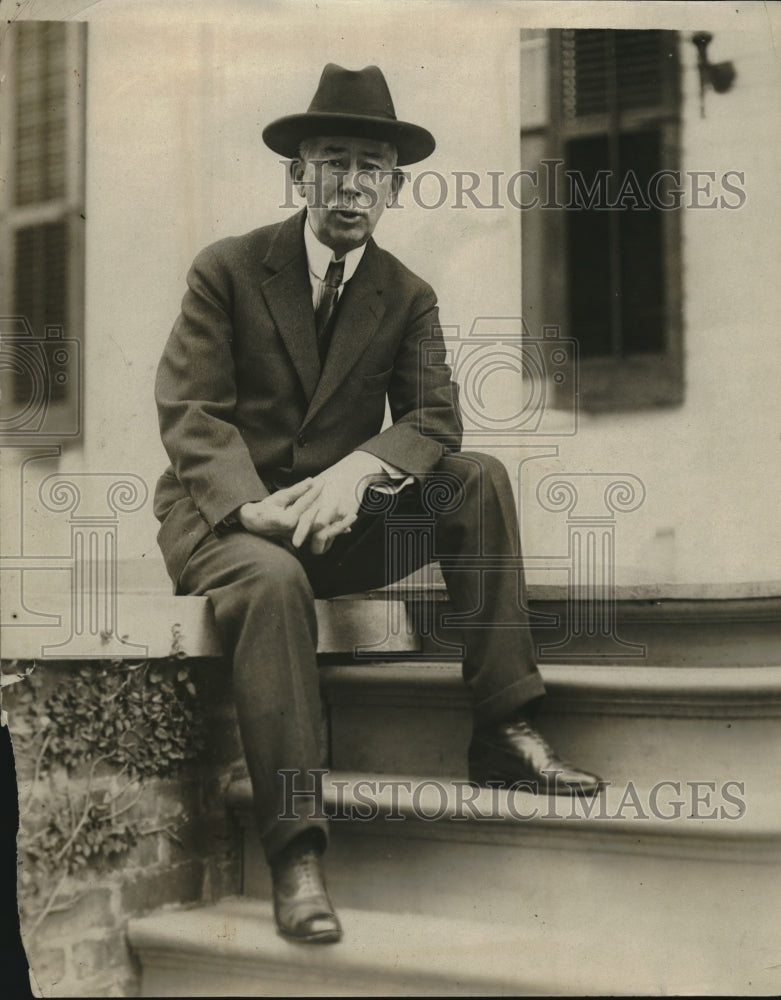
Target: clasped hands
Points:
(318, 508)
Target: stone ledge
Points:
(147, 625)
(718, 632)
(656, 593)
(148, 576)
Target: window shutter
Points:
(41, 229)
(612, 267)
(605, 71)
(39, 155)
(41, 285)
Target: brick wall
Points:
(186, 850)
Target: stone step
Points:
(622, 627)
(568, 625)
(644, 723)
(635, 905)
(232, 949)
(162, 625)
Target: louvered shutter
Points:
(609, 278)
(616, 93)
(39, 80)
(605, 72)
(42, 209)
(41, 286)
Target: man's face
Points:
(347, 183)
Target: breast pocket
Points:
(371, 384)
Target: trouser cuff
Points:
(510, 699)
(277, 839)
(298, 810)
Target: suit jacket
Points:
(243, 404)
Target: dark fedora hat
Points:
(353, 103)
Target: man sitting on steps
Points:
(271, 395)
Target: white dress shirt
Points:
(318, 257)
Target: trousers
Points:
(263, 591)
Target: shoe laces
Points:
(544, 755)
(298, 871)
(309, 871)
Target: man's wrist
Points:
(229, 523)
(376, 467)
(232, 521)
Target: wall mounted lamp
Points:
(719, 76)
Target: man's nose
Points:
(349, 181)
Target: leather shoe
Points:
(514, 754)
(302, 908)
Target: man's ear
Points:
(397, 182)
(296, 169)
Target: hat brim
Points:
(285, 135)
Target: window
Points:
(609, 252)
(42, 210)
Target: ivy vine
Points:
(114, 724)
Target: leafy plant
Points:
(120, 723)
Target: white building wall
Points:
(175, 160)
(710, 467)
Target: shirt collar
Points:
(319, 256)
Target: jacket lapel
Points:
(357, 319)
(288, 294)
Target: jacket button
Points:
(301, 440)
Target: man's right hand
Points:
(277, 515)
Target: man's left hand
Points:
(336, 508)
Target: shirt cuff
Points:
(228, 524)
(397, 480)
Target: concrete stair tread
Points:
(381, 954)
(645, 723)
(744, 686)
(730, 625)
(604, 906)
(450, 809)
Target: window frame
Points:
(620, 381)
(69, 208)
